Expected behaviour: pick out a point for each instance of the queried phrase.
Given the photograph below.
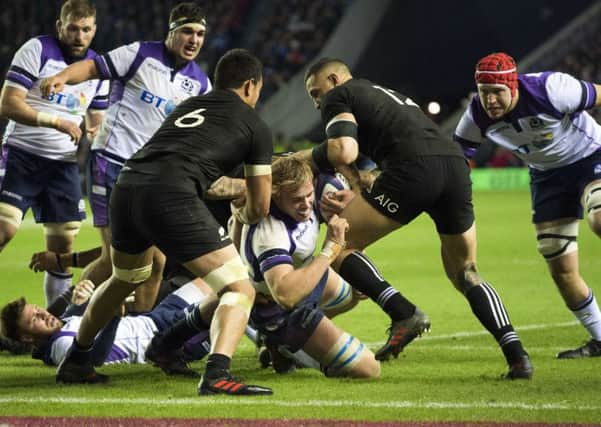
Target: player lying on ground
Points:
(123, 340)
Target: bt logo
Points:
(149, 98)
(71, 101)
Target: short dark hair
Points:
(10, 315)
(235, 67)
(190, 10)
(322, 63)
(77, 9)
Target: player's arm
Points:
(598, 94)
(468, 134)
(289, 286)
(14, 107)
(77, 72)
(94, 119)
(258, 194)
(226, 188)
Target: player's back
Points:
(391, 127)
(204, 138)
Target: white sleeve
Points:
(565, 92)
(59, 348)
(467, 129)
(270, 234)
(122, 58)
(25, 67)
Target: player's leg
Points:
(459, 260)
(225, 273)
(341, 354)
(367, 225)
(59, 239)
(338, 296)
(557, 243)
(60, 207)
(146, 294)
(129, 271)
(10, 221)
(101, 268)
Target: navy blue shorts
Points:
(101, 176)
(290, 328)
(51, 188)
(437, 185)
(169, 311)
(556, 193)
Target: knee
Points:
(591, 201)
(7, 232)
(594, 222)
(557, 240)
(466, 278)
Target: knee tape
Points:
(343, 355)
(134, 275)
(558, 240)
(232, 271)
(70, 228)
(236, 299)
(343, 297)
(11, 214)
(591, 199)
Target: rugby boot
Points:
(70, 371)
(521, 369)
(171, 362)
(226, 384)
(281, 363)
(590, 349)
(402, 332)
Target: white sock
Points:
(589, 316)
(55, 284)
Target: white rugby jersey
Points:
(38, 58)
(547, 129)
(277, 239)
(133, 335)
(145, 88)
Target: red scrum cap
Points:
(498, 68)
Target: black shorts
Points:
(175, 220)
(438, 185)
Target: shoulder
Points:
(270, 233)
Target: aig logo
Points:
(385, 202)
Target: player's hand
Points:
(337, 228)
(44, 261)
(82, 292)
(51, 85)
(71, 129)
(334, 202)
(91, 132)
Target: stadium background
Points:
(427, 50)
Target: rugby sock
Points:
(588, 314)
(359, 271)
(198, 346)
(487, 306)
(55, 284)
(79, 354)
(217, 365)
(184, 329)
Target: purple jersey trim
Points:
(116, 354)
(273, 257)
(51, 49)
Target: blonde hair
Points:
(290, 173)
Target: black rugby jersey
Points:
(204, 138)
(391, 128)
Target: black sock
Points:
(184, 329)
(487, 306)
(363, 275)
(217, 365)
(79, 354)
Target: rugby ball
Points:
(327, 183)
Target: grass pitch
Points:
(453, 374)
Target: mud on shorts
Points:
(438, 185)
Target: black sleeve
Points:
(261, 148)
(59, 305)
(336, 101)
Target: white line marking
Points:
(484, 332)
(206, 401)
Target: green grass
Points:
(452, 374)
